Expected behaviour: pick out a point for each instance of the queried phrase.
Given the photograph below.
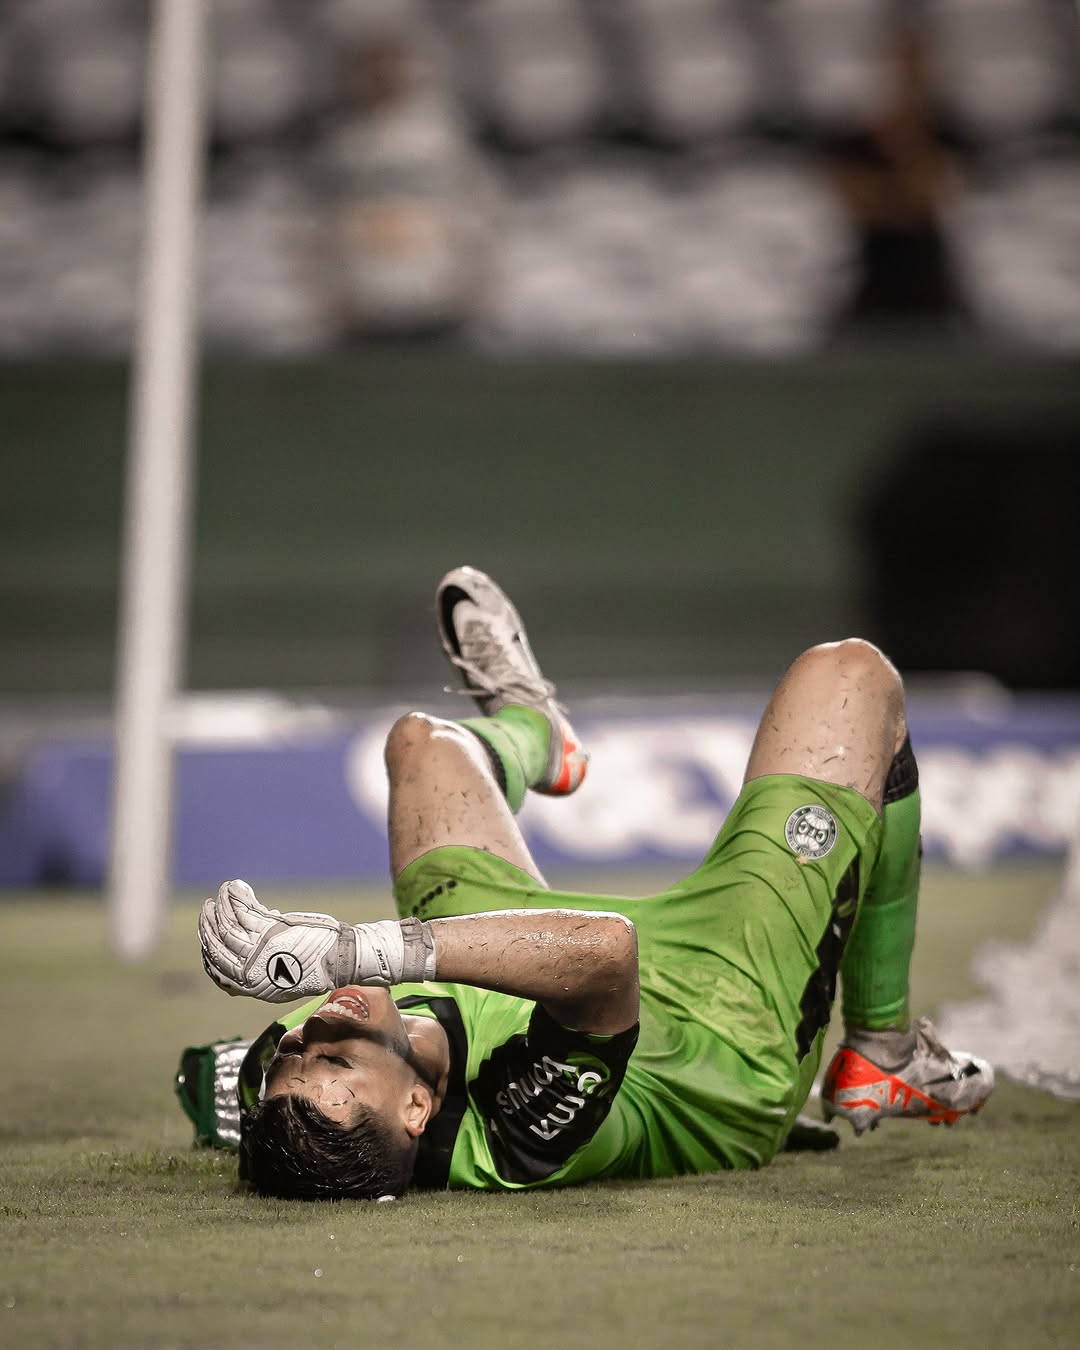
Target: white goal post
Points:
(153, 594)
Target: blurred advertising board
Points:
(303, 799)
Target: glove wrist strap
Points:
(346, 957)
(419, 956)
(388, 952)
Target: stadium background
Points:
(713, 328)
(692, 315)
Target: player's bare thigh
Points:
(837, 715)
(442, 791)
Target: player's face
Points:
(353, 1051)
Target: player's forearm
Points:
(581, 966)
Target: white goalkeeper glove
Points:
(249, 949)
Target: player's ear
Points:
(417, 1109)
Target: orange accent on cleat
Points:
(575, 761)
(862, 1092)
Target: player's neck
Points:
(431, 1054)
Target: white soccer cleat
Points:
(483, 637)
(935, 1084)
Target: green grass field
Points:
(116, 1233)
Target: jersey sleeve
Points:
(544, 1094)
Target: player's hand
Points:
(249, 949)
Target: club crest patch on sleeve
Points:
(811, 832)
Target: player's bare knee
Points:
(853, 661)
(857, 676)
(626, 942)
(618, 956)
(413, 735)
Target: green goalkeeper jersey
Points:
(531, 1103)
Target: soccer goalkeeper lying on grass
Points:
(543, 1038)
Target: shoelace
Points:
(927, 1049)
(497, 675)
(927, 1039)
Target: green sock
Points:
(877, 958)
(517, 741)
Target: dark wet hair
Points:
(291, 1150)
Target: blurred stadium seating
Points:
(579, 175)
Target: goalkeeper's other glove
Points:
(249, 949)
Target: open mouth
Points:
(348, 1002)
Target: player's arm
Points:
(581, 967)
